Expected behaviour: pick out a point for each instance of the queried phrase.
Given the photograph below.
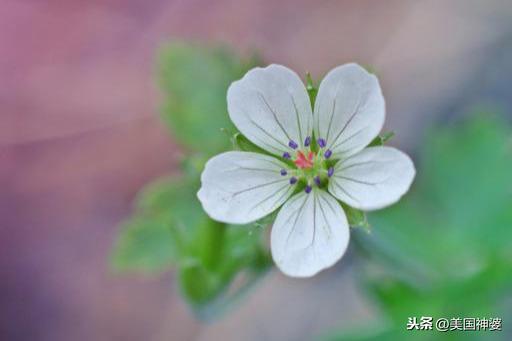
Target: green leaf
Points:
(444, 250)
(193, 165)
(194, 81)
(153, 239)
(169, 228)
(220, 253)
(144, 245)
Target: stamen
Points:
(330, 171)
(307, 141)
(308, 189)
(321, 143)
(283, 172)
(293, 180)
(286, 155)
(328, 154)
(293, 144)
(317, 180)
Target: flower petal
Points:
(349, 109)
(374, 178)
(310, 234)
(271, 107)
(241, 187)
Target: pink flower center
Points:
(304, 162)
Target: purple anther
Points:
(330, 171)
(328, 154)
(293, 144)
(286, 155)
(317, 180)
(307, 141)
(283, 172)
(308, 189)
(293, 180)
(321, 143)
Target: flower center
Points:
(312, 162)
(304, 162)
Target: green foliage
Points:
(194, 80)
(169, 228)
(220, 253)
(445, 251)
(145, 245)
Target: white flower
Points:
(320, 156)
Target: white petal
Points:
(270, 106)
(241, 187)
(374, 178)
(349, 109)
(310, 234)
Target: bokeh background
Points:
(80, 134)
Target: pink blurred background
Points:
(80, 134)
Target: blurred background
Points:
(80, 134)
